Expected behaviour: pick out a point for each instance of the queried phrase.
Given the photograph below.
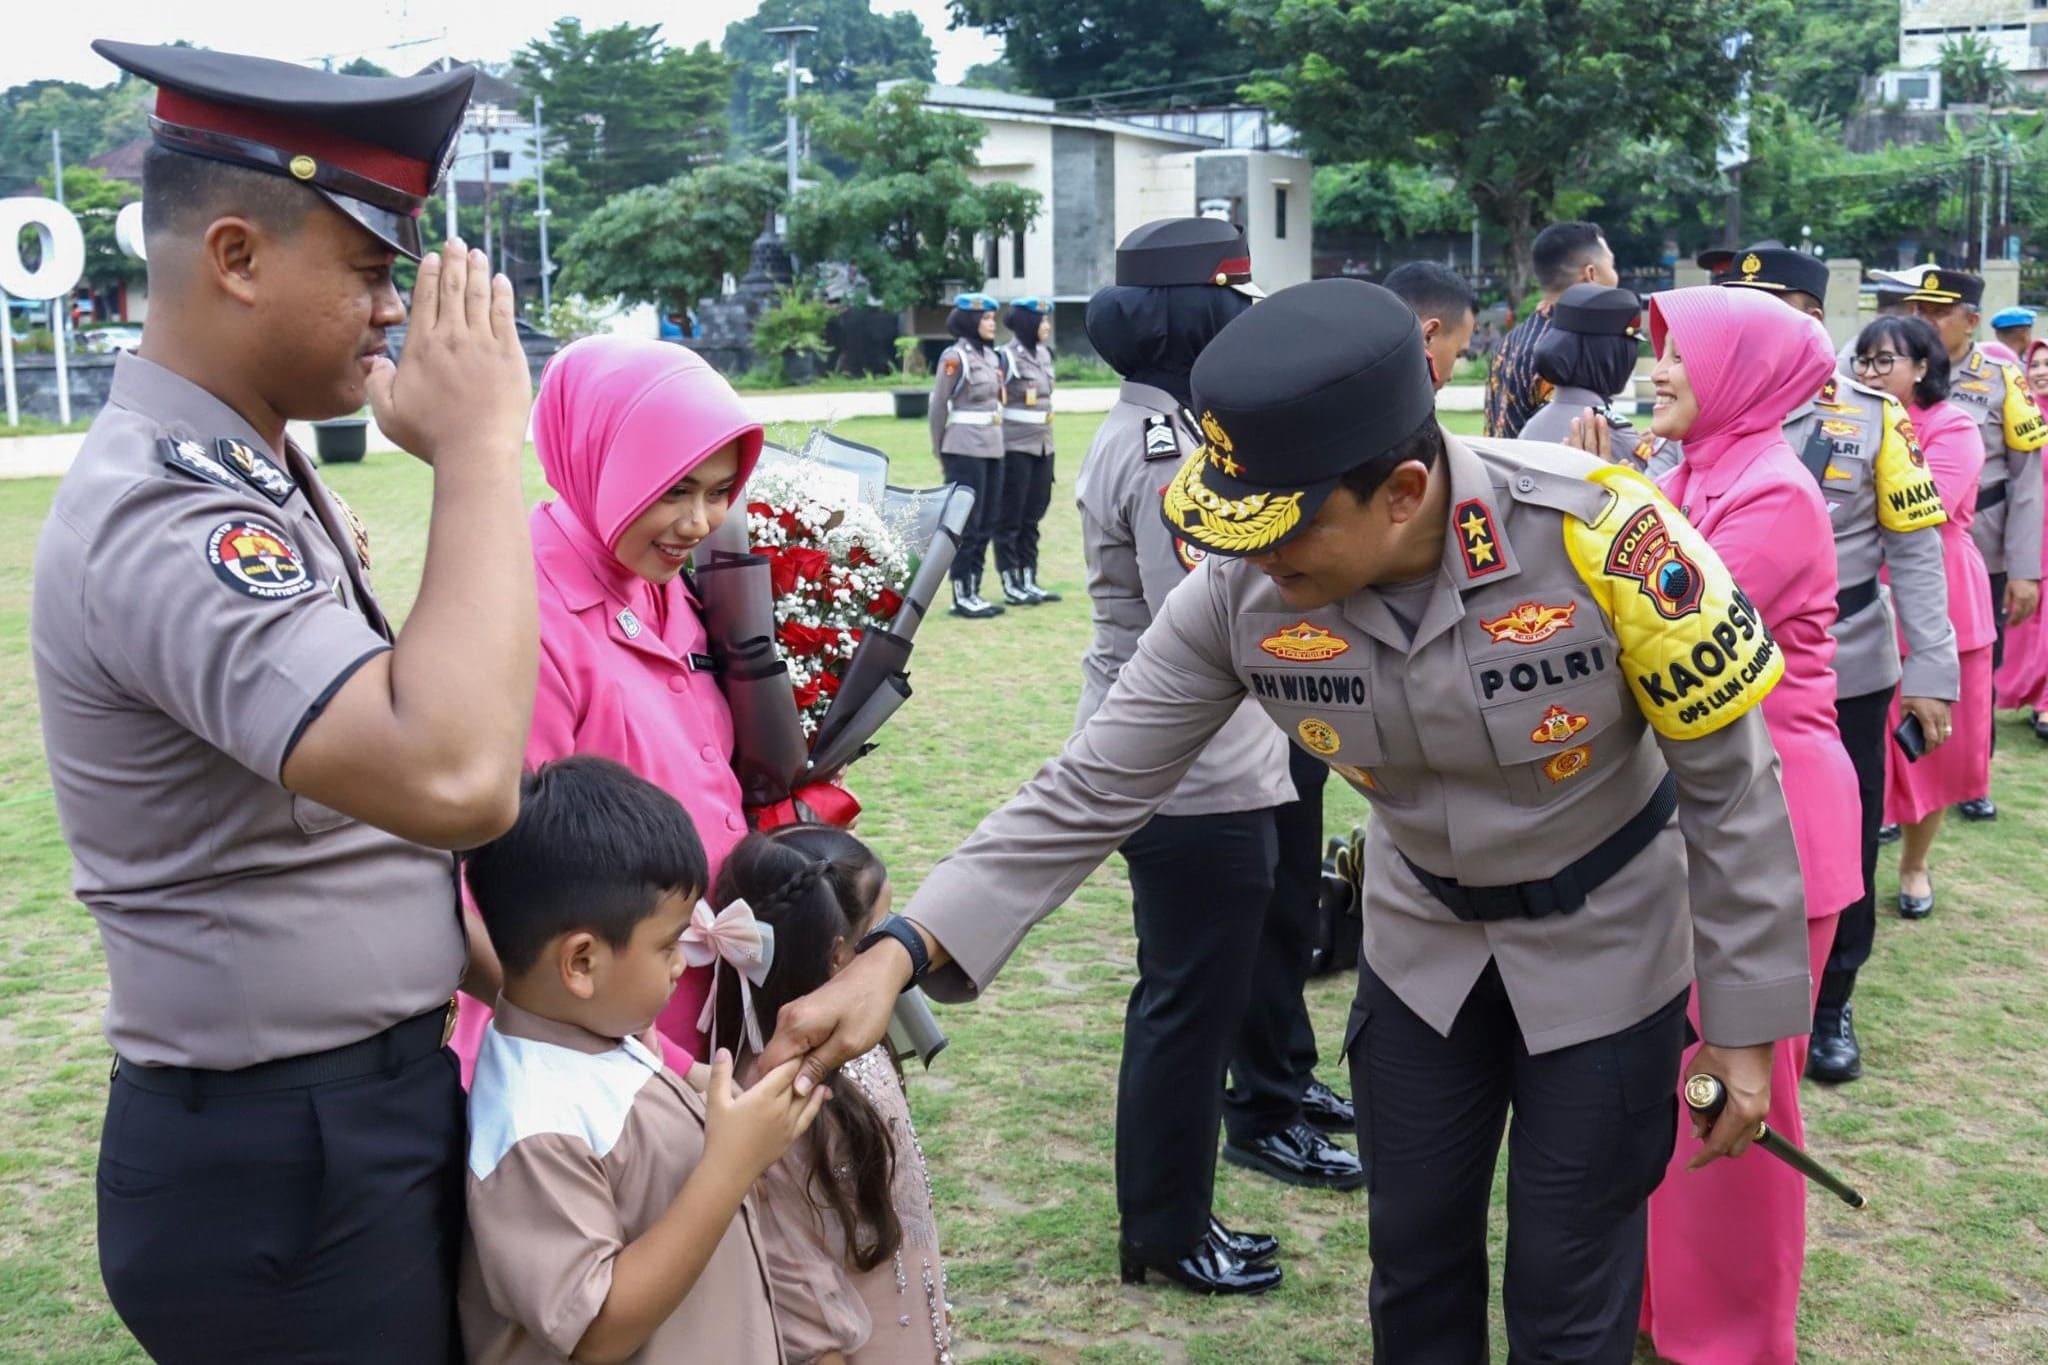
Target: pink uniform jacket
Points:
(623, 664)
(2023, 677)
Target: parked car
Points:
(110, 337)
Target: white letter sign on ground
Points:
(57, 274)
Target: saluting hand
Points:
(841, 1019)
(461, 382)
(1746, 1072)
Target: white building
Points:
(1101, 175)
(2015, 30)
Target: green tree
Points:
(95, 199)
(995, 75)
(1066, 48)
(30, 113)
(623, 109)
(362, 66)
(1822, 53)
(1392, 202)
(909, 214)
(674, 243)
(1972, 73)
(1514, 100)
(853, 50)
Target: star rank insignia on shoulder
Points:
(1477, 541)
(190, 457)
(256, 469)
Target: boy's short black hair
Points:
(1562, 250)
(1432, 290)
(595, 847)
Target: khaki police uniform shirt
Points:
(1579, 639)
(1027, 398)
(1133, 563)
(198, 599)
(1885, 511)
(967, 402)
(1994, 392)
(1553, 423)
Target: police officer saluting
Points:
(256, 777)
(1529, 664)
(1885, 510)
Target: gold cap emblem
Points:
(304, 167)
(1931, 281)
(1751, 264)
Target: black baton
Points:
(1707, 1097)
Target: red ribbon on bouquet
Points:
(820, 803)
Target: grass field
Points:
(1949, 1135)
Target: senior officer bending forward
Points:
(1527, 662)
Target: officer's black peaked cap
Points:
(375, 147)
(1768, 266)
(1596, 310)
(1296, 392)
(1184, 251)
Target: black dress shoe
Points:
(1208, 1269)
(1328, 1111)
(1917, 907)
(1833, 1056)
(1889, 834)
(1979, 810)
(1253, 1248)
(2040, 724)
(1299, 1156)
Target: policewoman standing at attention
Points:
(1576, 812)
(967, 436)
(258, 779)
(1217, 927)
(1027, 449)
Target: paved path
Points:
(44, 457)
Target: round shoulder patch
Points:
(257, 561)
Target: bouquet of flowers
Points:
(811, 601)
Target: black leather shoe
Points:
(1834, 1057)
(2040, 725)
(1208, 1269)
(1327, 1111)
(1300, 1156)
(1979, 810)
(1889, 834)
(1917, 907)
(1253, 1248)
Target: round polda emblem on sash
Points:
(256, 561)
(1319, 736)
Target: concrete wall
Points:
(1022, 154)
(35, 384)
(1280, 261)
(1084, 227)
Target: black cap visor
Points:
(1209, 508)
(399, 231)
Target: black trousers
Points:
(983, 478)
(1275, 1057)
(1592, 1132)
(320, 1224)
(1027, 493)
(1200, 887)
(1998, 581)
(1865, 725)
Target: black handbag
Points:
(1340, 919)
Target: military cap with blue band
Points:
(1768, 266)
(1289, 397)
(375, 147)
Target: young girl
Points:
(848, 1230)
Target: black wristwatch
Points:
(905, 933)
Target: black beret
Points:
(1184, 251)
(1296, 392)
(1596, 310)
(375, 147)
(1767, 265)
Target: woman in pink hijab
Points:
(646, 447)
(2022, 681)
(1727, 1242)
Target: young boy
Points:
(607, 1213)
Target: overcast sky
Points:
(51, 40)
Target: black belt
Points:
(396, 1047)
(1566, 891)
(1990, 497)
(1855, 598)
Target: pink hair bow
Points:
(734, 937)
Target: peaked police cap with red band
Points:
(375, 147)
(1185, 251)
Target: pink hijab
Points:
(619, 420)
(1750, 360)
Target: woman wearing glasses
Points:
(1904, 356)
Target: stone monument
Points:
(726, 325)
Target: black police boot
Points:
(1253, 1248)
(1326, 1110)
(1299, 1156)
(2040, 726)
(1978, 810)
(1889, 834)
(1013, 589)
(1834, 1057)
(1048, 595)
(994, 608)
(1210, 1268)
(967, 602)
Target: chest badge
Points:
(1530, 623)
(1836, 427)
(1557, 727)
(1835, 471)
(1302, 643)
(1477, 540)
(1355, 774)
(356, 528)
(629, 623)
(1570, 763)
(1319, 736)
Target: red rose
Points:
(886, 604)
(781, 571)
(760, 509)
(828, 683)
(807, 695)
(810, 566)
(787, 516)
(859, 557)
(799, 638)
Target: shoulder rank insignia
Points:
(1477, 541)
(1828, 391)
(258, 470)
(1303, 643)
(1159, 437)
(190, 457)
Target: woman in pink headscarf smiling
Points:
(1727, 1242)
(645, 446)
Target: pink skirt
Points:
(1722, 1290)
(2023, 678)
(1959, 770)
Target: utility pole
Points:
(1984, 215)
(540, 186)
(793, 33)
(58, 307)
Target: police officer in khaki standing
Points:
(967, 437)
(258, 778)
(1545, 684)
(1027, 449)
